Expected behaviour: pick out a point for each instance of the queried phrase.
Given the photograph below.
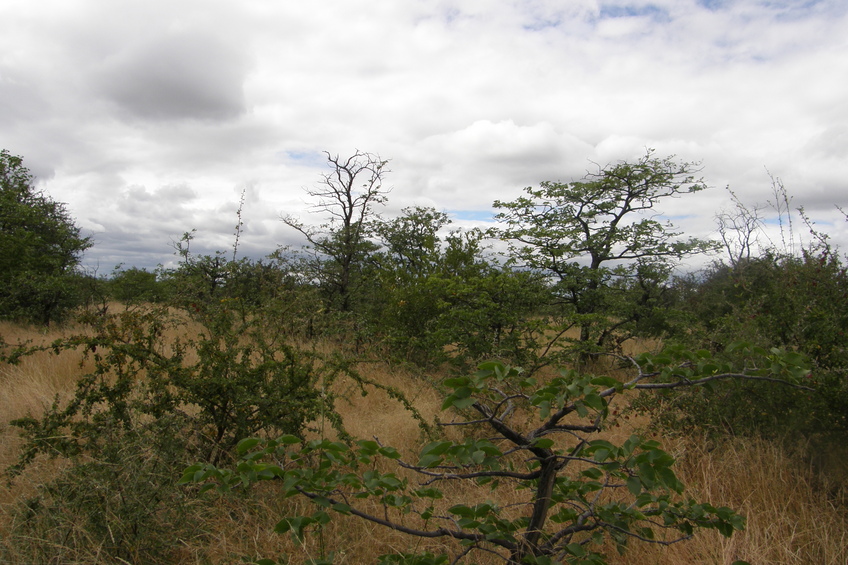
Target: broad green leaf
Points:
(389, 452)
(247, 444)
(595, 401)
(593, 473)
(543, 443)
(457, 382)
(461, 510)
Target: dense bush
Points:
(168, 384)
(40, 249)
(117, 501)
(535, 441)
(799, 302)
(135, 285)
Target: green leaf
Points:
(575, 549)
(341, 508)
(433, 493)
(543, 443)
(457, 382)
(247, 444)
(669, 479)
(389, 452)
(461, 510)
(608, 382)
(283, 526)
(593, 473)
(368, 445)
(192, 474)
(464, 403)
(430, 460)
(595, 401)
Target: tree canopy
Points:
(40, 247)
(602, 232)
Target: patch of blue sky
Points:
(714, 5)
(656, 13)
(783, 8)
(775, 221)
(794, 10)
(540, 24)
(305, 158)
(476, 215)
(795, 223)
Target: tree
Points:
(135, 285)
(538, 440)
(446, 298)
(589, 234)
(40, 248)
(341, 244)
(739, 230)
(411, 242)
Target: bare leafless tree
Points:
(346, 196)
(739, 229)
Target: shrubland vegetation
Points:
(397, 392)
(40, 248)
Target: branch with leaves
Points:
(539, 438)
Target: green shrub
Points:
(539, 441)
(166, 387)
(776, 301)
(40, 249)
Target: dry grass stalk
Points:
(790, 520)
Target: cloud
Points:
(149, 117)
(177, 75)
(499, 154)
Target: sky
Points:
(152, 118)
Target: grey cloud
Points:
(471, 101)
(831, 143)
(141, 226)
(177, 75)
(19, 99)
(166, 203)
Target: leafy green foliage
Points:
(213, 362)
(119, 501)
(206, 285)
(596, 237)
(171, 383)
(541, 438)
(775, 301)
(134, 285)
(165, 385)
(239, 378)
(40, 249)
(412, 244)
(443, 299)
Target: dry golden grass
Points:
(791, 519)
